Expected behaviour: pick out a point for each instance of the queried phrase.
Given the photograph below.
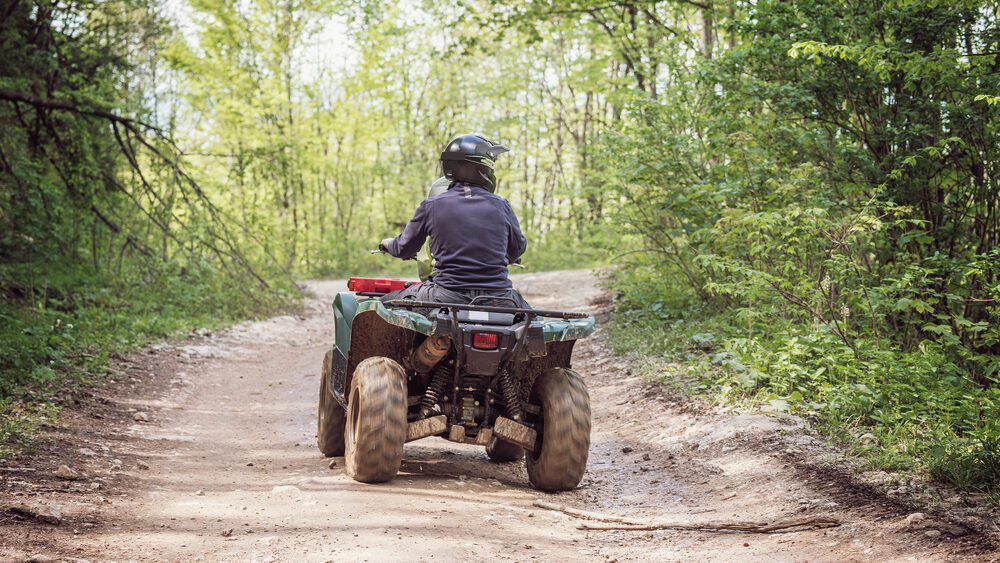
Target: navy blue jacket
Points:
(474, 235)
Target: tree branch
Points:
(66, 105)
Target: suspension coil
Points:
(439, 383)
(509, 390)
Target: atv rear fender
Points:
(368, 328)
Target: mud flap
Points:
(516, 433)
(426, 427)
(338, 376)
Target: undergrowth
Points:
(63, 329)
(897, 410)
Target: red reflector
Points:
(484, 340)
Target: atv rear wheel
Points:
(331, 418)
(564, 432)
(376, 421)
(501, 451)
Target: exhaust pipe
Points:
(430, 352)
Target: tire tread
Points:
(562, 460)
(375, 453)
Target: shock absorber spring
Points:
(439, 383)
(509, 390)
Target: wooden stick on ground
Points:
(584, 514)
(621, 523)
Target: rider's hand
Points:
(384, 245)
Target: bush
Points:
(924, 411)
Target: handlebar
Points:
(378, 251)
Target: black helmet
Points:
(470, 158)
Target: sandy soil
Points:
(225, 468)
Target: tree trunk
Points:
(707, 24)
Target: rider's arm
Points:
(413, 236)
(516, 243)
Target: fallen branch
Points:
(583, 513)
(621, 523)
(76, 107)
(220, 240)
(799, 525)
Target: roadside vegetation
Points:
(106, 241)
(907, 412)
(66, 331)
(813, 215)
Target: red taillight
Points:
(375, 285)
(485, 340)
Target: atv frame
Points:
(487, 375)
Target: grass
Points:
(909, 412)
(62, 331)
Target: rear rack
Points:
(410, 303)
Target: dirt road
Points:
(206, 452)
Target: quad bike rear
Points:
(485, 373)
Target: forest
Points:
(799, 200)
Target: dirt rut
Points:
(225, 468)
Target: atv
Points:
(480, 373)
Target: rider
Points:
(474, 233)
